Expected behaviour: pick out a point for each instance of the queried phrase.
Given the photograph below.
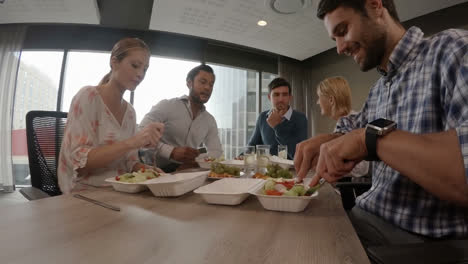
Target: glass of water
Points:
(148, 156)
(283, 151)
(263, 157)
(249, 156)
(249, 161)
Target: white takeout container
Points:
(241, 174)
(284, 163)
(176, 184)
(283, 203)
(234, 163)
(126, 186)
(228, 191)
(202, 163)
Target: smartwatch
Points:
(375, 129)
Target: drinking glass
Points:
(249, 156)
(249, 161)
(148, 156)
(263, 157)
(283, 151)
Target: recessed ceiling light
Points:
(262, 23)
(287, 7)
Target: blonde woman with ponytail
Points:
(334, 99)
(100, 137)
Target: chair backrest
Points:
(44, 132)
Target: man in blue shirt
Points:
(281, 125)
(420, 170)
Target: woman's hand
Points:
(149, 136)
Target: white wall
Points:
(329, 64)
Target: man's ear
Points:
(189, 84)
(374, 8)
(269, 97)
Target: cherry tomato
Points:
(273, 192)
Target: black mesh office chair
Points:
(351, 188)
(44, 132)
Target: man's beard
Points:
(376, 48)
(196, 98)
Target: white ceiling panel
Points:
(299, 35)
(49, 11)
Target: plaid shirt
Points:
(424, 91)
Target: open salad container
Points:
(228, 191)
(293, 199)
(132, 182)
(176, 184)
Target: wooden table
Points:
(185, 229)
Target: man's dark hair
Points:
(277, 82)
(327, 6)
(193, 72)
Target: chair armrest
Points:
(447, 251)
(33, 193)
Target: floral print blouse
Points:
(91, 124)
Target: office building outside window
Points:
(84, 68)
(233, 104)
(36, 89)
(266, 79)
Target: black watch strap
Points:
(371, 145)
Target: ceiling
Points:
(292, 30)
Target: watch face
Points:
(381, 122)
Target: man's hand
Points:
(184, 154)
(339, 156)
(275, 118)
(307, 154)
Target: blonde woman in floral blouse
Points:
(100, 137)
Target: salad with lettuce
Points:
(275, 171)
(139, 176)
(222, 168)
(287, 188)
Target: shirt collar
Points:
(286, 115)
(186, 100)
(402, 50)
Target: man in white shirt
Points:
(188, 126)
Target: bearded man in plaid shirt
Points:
(420, 170)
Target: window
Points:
(36, 89)
(84, 68)
(234, 101)
(233, 104)
(165, 78)
(266, 79)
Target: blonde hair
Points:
(120, 51)
(336, 88)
